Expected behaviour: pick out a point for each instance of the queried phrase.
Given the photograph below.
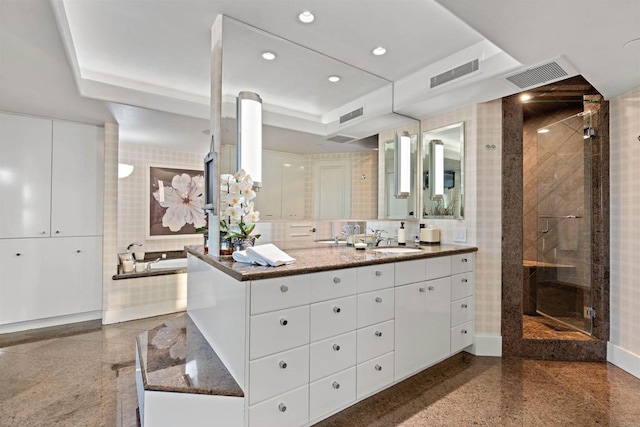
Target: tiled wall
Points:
(625, 231)
(110, 219)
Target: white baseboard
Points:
(140, 312)
(487, 345)
(50, 321)
(623, 359)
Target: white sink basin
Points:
(398, 250)
(169, 263)
(331, 242)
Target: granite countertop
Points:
(176, 357)
(152, 256)
(314, 259)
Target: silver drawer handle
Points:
(464, 331)
(78, 251)
(378, 333)
(378, 299)
(283, 322)
(282, 407)
(43, 232)
(464, 260)
(378, 273)
(18, 254)
(336, 309)
(57, 231)
(464, 306)
(283, 364)
(431, 288)
(422, 290)
(336, 280)
(336, 347)
(378, 368)
(464, 280)
(284, 288)
(336, 385)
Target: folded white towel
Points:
(268, 254)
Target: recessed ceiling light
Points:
(379, 51)
(306, 17)
(543, 130)
(334, 79)
(269, 56)
(633, 43)
(525, 97)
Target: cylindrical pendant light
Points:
(249, 144)
(403, 165)
(437, 169)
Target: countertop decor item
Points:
(237, 197)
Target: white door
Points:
(332, 189)
(77, 180)
(293, 190)
(437, 328)
(25, 176)
(410, 318)
(269, 199)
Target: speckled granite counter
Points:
(166, 352)
(310, 260)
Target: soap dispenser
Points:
(402, 236)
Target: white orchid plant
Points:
(237, 197)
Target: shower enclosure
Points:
(563, 288)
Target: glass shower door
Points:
(563, 282)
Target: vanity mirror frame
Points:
(450, 205)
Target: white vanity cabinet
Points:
(317, 343)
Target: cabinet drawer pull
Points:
(283, 322)
(378, 368)
(378, 299)
(57, 231)
(18, 254)
(378, 333)
(336, 280)
(336, 309)
(422, 290)
(378, 273)
(336, 385)
(43, 232)
(284, 288)
(282, 407)
(463, 260)
(464, 331)
(336, 347)
(464, 306)
(464, 280)
(431, 288)
(282, 364)
(78, 251)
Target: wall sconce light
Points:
(436, 154)
(249, 143)
(124, 170)
(402, 165)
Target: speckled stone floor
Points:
(88, 380)
(540, 327)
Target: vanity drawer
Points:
(278, 373)
(461, 263)
(375, 277)
(375, 341)
(374, 375)
(278, 293)
(287, 410)
(278, 331)
(331, 393)
(461, 337)
(410, 272)
(461, 285)
(375, 307)
(461, 311)
(332, 355)
(438, 267)
(333, 284)
(332, 318)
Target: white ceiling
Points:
(147, 63)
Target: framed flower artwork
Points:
(176, 202)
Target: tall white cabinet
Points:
(51, 196)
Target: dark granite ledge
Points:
(152, 256)
(166, 353)
(49, 332)
(315, 259)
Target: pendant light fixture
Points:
(437, 169)
(402, 165)
(249, 143)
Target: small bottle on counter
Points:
(402, 236)
(416, 241)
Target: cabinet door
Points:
(436, 329)
(410, 319)
(25, 176)
(77, 180)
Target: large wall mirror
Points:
(443, 172)
(317, 134)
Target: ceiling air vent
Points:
(455, 73)
(340, 138)
(352, 115)
(538, 75)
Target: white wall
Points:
(624, 348)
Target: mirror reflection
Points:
(443, 172)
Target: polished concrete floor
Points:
(88, 380)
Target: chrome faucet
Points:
(133, 244)
(377, 236)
